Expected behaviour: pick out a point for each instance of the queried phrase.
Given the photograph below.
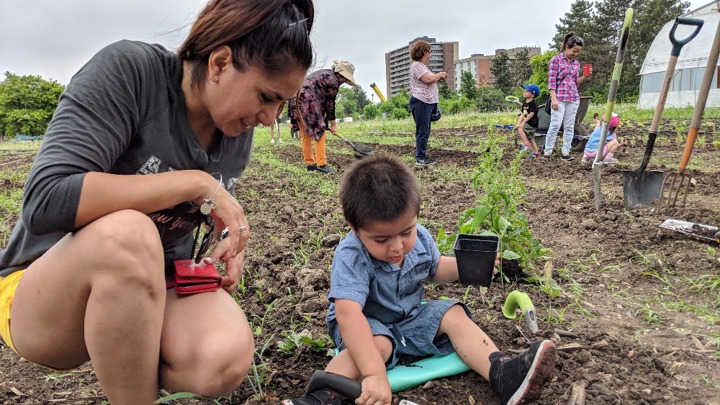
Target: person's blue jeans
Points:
(421, 113)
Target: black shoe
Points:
(520, 380)
(567, 157)
(426, 161)
(325, 169)
(311, 168)
(319, 397)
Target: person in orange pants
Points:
(314, 105)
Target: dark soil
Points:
(637, 323)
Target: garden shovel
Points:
(360, 150)
(641, 187)
(619, 58)
(678, 184)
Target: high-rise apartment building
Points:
(397, 63)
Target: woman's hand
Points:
(227, 213)
(233, 270)
(375, 391)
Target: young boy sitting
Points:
(527, 123)
(376, 293)
(611, 142)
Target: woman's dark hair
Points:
(571, 39)
(418, 49)
(378, 188)
(272, 35)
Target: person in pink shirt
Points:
(424, 98)
(563, 80)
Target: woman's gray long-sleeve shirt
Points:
(123, 113)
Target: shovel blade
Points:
(641, 188)
(361, 150)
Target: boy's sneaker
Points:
(520, 380)
(319, 397)
(426, 161)
(567, 157)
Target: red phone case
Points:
(193, 278)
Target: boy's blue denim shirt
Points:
(386, 292)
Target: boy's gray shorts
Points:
(412, 336)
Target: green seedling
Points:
(712, 251)
(183, 395)
(260, 376)
(290, 342)
(56, 376)
(648, 315)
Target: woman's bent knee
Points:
(126, 244)
(126, 231)
(212, 372)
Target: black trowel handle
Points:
(670, 70)
(679, 43)
(344, 386)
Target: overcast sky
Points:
(54, 38)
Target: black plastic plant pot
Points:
(475, 256)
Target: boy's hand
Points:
(375, 391)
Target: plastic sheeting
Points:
(690, 65)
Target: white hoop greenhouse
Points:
(690, 67)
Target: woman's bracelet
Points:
(209, 203)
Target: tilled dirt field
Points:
(637, 323)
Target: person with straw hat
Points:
(314, 106)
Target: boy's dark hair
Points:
(378, 188)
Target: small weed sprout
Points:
(290, 343)
(260, 376)
(293, 340)
(648, 315)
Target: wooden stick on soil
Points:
(577, 397)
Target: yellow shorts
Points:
(7, 293)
